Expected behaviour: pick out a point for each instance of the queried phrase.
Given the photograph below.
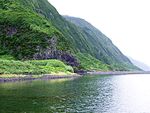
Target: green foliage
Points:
(18, 67)
(6, 57)
(124, 67)
(23, 30)
(56, 63)
(26, 25)
(69, 68)
(32, 67)
(52, 65)
(100, 46)
(90, 63)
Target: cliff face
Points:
(33, 29)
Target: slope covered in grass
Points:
(90, 63)
(101, 46)
(24, 32)
(33, 29)
(10, 66)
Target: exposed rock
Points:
(52, 53)
(61, 55)
(81, 72)
(10, 31)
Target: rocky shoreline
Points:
(117, 72)
(45, 77)
(49, 77)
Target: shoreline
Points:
(75, 75)
(117, 72)
(31, 78)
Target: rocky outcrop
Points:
(52, 53)
(61, 55)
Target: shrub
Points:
(32, 67)
(88, 62)
(69, 68)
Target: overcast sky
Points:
(125, 22)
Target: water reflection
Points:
(133, 94)
(91, 94)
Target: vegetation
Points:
(27, 27)
(90, 63)
(101, 47)
(51, 65)
(22, 31)
(33, 67)
(6, 57)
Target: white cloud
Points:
(125, 22)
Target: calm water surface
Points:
(90, 94)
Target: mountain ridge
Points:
(38, 31)
(100, 40)
(140, 64)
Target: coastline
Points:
(42, 77)
(72, 75)
(117, 72)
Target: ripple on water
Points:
(91, 94)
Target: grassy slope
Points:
(36, 21)
(102, 47)
(90, 41)
(31, 30)
(10, 66)
(90, 63)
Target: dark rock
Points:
(10, 31)
(52, 53)
(60, 55)
(81, 72)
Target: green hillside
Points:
(101, 46)
(22, 31)
(33, 29)
(8, 65)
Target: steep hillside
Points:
(101, 46)
(24, 33)
(33, 29)
(139, 64)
